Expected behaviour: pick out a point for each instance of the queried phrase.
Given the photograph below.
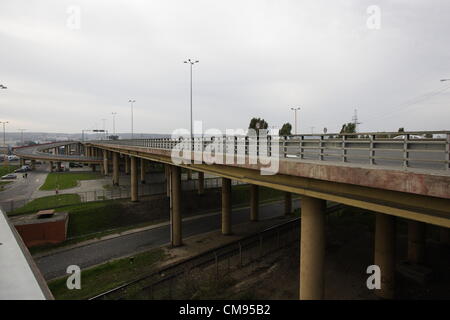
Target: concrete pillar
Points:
(22, 162)
(127, 164)
(58, 166)
(134, 179)
(115, 169)
(51, 166)
(201, 183)
(312, 248)
(287, 203)
(33, 164)
(93, 167)
(105, 162)
(143, 165)
(416, 242)
(254, 202)
(167, 176)
(189, 174)
(175, 202)
(385, 253)
(226, 206)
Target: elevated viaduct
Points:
(389, 175)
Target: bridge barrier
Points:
(421, 149)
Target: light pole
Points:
(104, 128)
(191, 63)
(114, 122)
(131, 101)
(295, 109)
(21, 135)
(4, 134)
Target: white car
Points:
(411, 136)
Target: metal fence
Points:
(424, 149)
(116, 193)
(180, 280)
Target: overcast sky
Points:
(257, 58)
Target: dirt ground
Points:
(349, 251)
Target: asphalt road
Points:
(55, 265)
(21, 188)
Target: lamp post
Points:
(191, 64)
(295, 109)
(104, 128)
(21, 135)
(114, 122)
(131, 101)
(4, 134)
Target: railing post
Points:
(447, 151)
(371, 149)
(344, 151)
(321, 148)
(405, 151)
(301, 147)
(284, 146)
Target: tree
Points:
(258, 123)
(285, 130)
(349, 128)
(401, 129)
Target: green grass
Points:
(48, 202)
(108, 275)
(7, 169)
(66, 180)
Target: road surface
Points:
(55, 265)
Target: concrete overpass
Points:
(392, 176)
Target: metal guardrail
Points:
(422, 149)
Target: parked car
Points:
(75, 165)
(23, 169)
(411, 136)
(9, 176)
(13, 158)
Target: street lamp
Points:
(132, 122)
(191, 63)
(21, 135)
(4, 134)
(114, 122)
(295, 109)
(104, 128)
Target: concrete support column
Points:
(51, 166)
(93, 167)
(312, 248)
(385, 253)
(254, 202)
(58, 166)
(105, 162)
(143, 165)
(201, 183)
(189, 174)
(33, 164)
(115, 169)
(22, 162)
(416, 242)
(134, 179)
(167, 176)
(287, 203)
(226, 206)
(175, 203)
(127, 164)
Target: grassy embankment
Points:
(108, 275)
(67, 180)
(96, 219)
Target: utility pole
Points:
(295, 109)
(4, 132)
(355, 120)
(191, 63)
(104, 128)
